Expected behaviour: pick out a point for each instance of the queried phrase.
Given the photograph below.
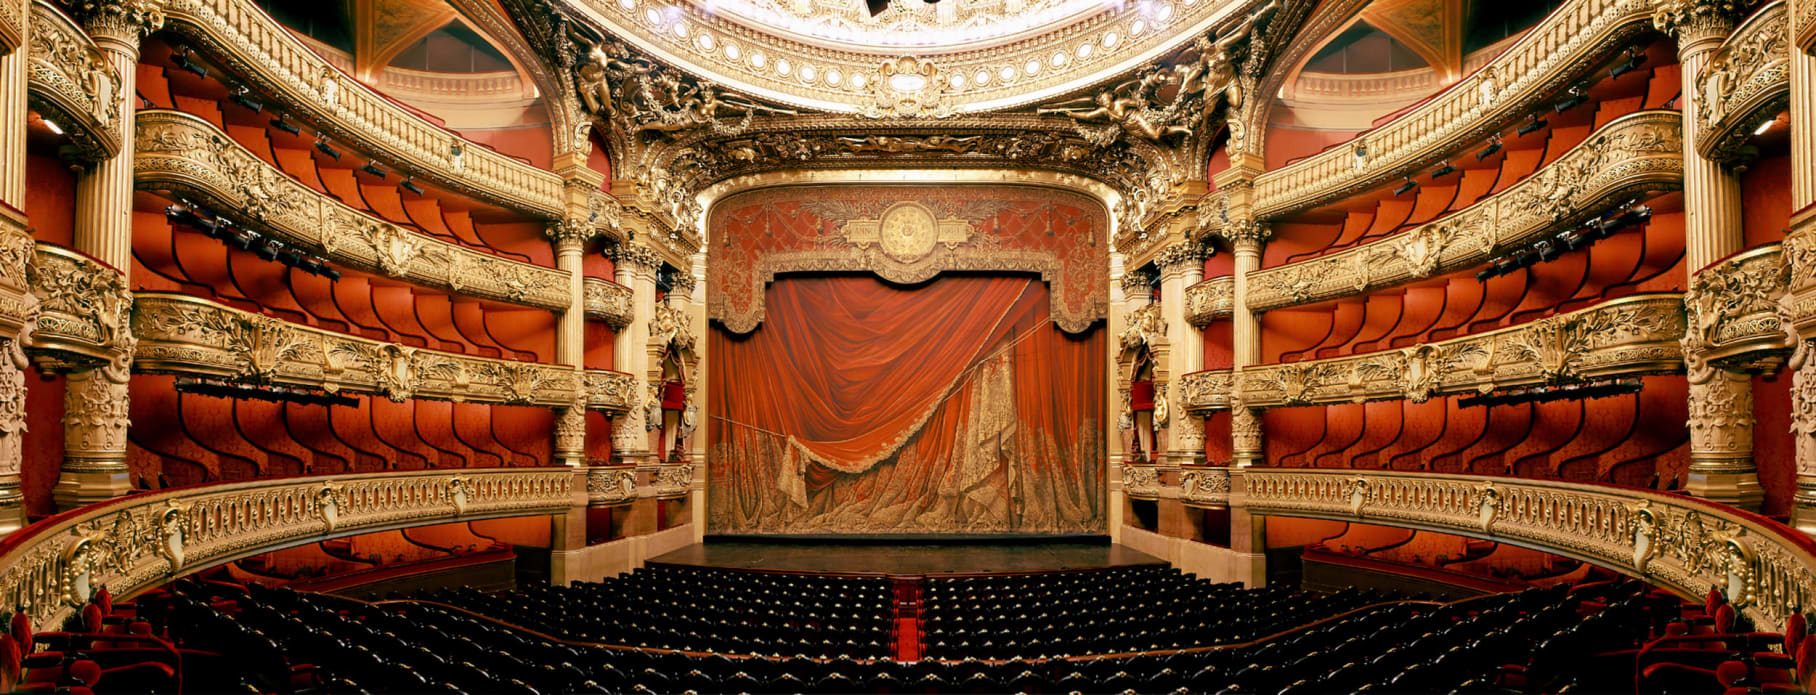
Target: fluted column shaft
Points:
(570, 343)
(1181, 267)
(630, 351)
(13, 108)
(96, 402)
(13, 226)
(1721, 413)
(1245, 424)
(1803, 224)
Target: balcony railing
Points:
(608, 301)
(84, 308)
(182, 153)
(71, 83)
(1746, 83)
(1212, 299)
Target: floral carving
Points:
(1746, 82)
(71, 78)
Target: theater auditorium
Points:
(670, 347)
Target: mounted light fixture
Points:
(1535, 124)
(286, 126)
(185, 63)
(321, 144)
(278, 394)
(1494, 145)
(1403, 188)
(1443, 171)
(1576, 99)
(1634, 58)
(373, 170)
(52, 125)
(239, 97)
(410, 186)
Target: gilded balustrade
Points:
(191, 336)
(610, 485)
(673, 479)
(1624, 337)
(133, 543)
(608, 301)
(261, 52)
(1141, 481)
(70, 82)
(1636, 154)
(183, 153)
(1688, 545)
(85, 310)
(1570, 42)
(1731, 311)
(1746, 83)
(1209, 300)
(1205, 486)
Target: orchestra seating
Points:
(210, 636)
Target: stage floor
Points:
(906, 558)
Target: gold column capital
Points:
(124, 21)
(1695, 23)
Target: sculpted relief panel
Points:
(907, 234)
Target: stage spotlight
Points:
(239, 97)
(410, 186)
(1548, 251)
(1536, 124)
(1485, 273)
(268, 250)
(185, 63)
(1493, 147)
(375, 171)
(52, 125)
(1629, 65)
(283, 125)
(1443, 171)
(1576, 99)
(1403, 188)
(322, 145)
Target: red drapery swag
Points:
(863, 407)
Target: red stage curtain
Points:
(860, 406)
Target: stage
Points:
(859, 556)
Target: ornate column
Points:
(1721, 412)
(1803, 230)
(95, 404)
(14, 330)
(1246, 236)
(1181, 266)
(636, 269)
(1132, 338)
(569, 237)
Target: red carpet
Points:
(907, 639)
(907, 610)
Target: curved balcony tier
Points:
(1731, 311)
(189, 336)
(133, 543)
(183, 153)
(608, 301)
(1570, 42)
(15, 270)
(609, 390)
(1767, 570)
(1209, 300)
(69, 81)
(1635, 155)
(1746, 83)
(1630, 336)
(258, 50)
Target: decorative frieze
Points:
(1572, 40)
(1746, 83)
(1212, 299)
(1205, 391)
(673, 479)
(610, 485)
(1141, 482)
(1732, 312)
(182, 153)
(1629, 336)
(13, 23)
(1634, 155)
(85, 309)
(268, 58)
(1682, 543)
(607, 301)
(610, 391)
(1205, 487)
(192, 336)
(71, 82)
(131, 544)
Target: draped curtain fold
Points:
(860, 406)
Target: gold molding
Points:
(610, 391)
(1636, 154)
(1206, 391)
(183, 153)
(609, 486)
(1075, 183)
(1020, 72)
(672, 480)
(1210, 299)
(71, 82)
(1746, 82)
(191, 336)
(18, 306)
(607, 301)
(1624, 337)
(134, 543)
(1765, 569)
(1570, 41)
(1207, 486)
(1141, 481)
(13, 23)
(263, 53)
(1803, 26)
